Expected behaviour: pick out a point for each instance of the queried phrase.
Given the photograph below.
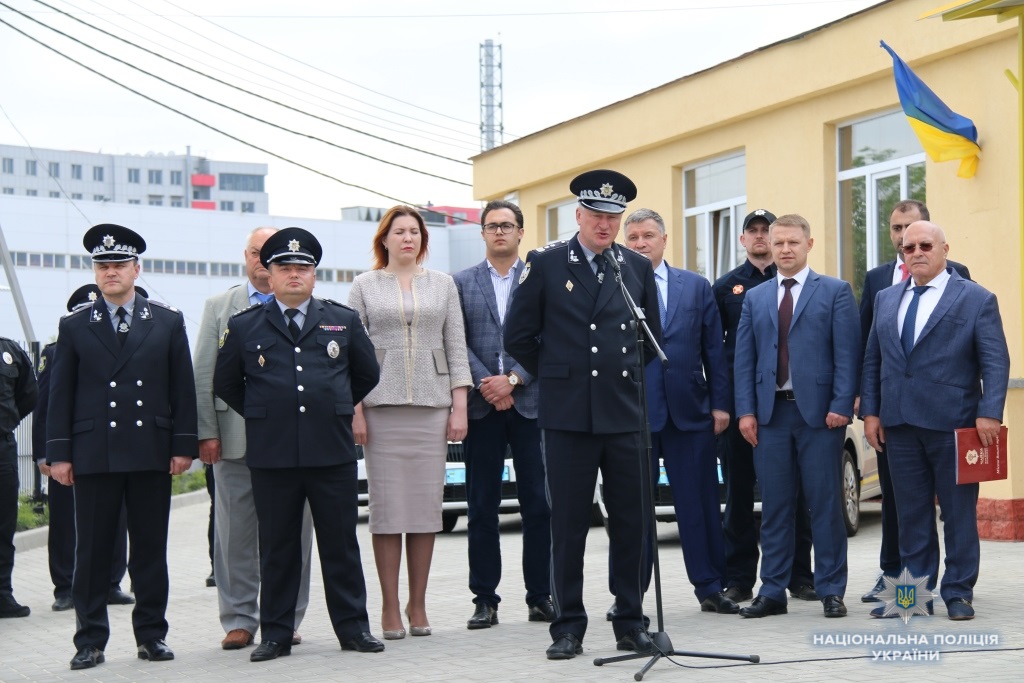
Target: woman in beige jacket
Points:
(415, 322)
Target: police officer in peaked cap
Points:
(294, 368)
(570, 327)
(121, 421)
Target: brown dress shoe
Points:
(236, 639)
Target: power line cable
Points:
(228, 107)
(248, 92)
(203, 123)
(438, 138)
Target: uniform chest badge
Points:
(333, 350)
(568, 285)
(42, 364)
(8, 358)
(262, 361)
(737, 289)
(223, 338)
(526, 273)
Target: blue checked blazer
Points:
(484, 339)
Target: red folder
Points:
(974, 462)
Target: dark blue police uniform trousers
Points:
(692, 470)
(280, 496)
(99, 499)
(921, 462)
(8, 509)
(791, 454)
(486, 444)
(889, 555)
(61, 541)
(572, 460)
(740, 525)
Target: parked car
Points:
(859, 482)
(454, 502)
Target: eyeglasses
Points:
(923, 246)
(499, 227)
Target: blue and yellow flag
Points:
(944, 134)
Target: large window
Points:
(715, 200)
(562, 221)
(134, 174)
(241, 182)
(880, 163)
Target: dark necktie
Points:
(292, 326)
(122, 325)
(785, 320)
(662, 309)
(909, 320)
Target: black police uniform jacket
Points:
(575, 335)
(121, 409)
(18, 388)
(297, 398)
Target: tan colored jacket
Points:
(420, 364)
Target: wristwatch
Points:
(513, 379)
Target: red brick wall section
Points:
(1001, 520)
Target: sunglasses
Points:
(911, 248)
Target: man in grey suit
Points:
(236, 555)
(502, 413)
(936, 361)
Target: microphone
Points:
(609, 256)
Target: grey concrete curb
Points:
(36, 538)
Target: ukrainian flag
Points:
(944, 134)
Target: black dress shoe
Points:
(719, 602)
(636, 640)
(211, 581)
(804, 592)
(87, 657)
(10, 609)
(156, 651)
(268, 650)
(612, 612)
(116, 596)
(872, 595)
(834, 606)
(763, 607)
(364, 642)
(485, 616)
(541, 611)
(566, 646)
(737, 594)
(62, 604)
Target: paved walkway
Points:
(39, 647)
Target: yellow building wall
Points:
(781, 105)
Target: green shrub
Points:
(190, 481)
(31, 514)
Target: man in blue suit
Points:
(502, 414)
(936, 361)
(797, 365)
(688, 403)
(884, 276)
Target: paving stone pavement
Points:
(38, 648)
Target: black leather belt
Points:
(787, 395)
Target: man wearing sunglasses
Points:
(884, 276)
(938, 341)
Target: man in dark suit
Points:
(797, 366)
(570, 326)
(884, 276)
(936, 361)
(18, 395)
(502, 415)
(60, 540)
(121, 421)
(294, 368)
(739, 525)
(688, 403)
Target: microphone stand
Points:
(662, 643)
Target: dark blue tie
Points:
(909, 320)
(662, 309)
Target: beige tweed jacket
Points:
(421, 363)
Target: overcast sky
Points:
(403, 71)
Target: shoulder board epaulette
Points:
(253, 307)
(337, 303)
(550, 245)
(78, 309)
(161, 304)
